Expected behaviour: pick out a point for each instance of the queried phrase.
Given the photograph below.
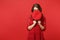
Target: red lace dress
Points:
(36, 32)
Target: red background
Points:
(14, 15)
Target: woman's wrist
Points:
(41, 26)
(31, 26)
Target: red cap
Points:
(36, 15)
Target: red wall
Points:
(14, 15)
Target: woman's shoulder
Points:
(43, 18)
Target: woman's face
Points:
(35, 8)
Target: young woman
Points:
(35, 27)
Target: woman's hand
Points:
(41, 26)
(39, 22)
(31, 26)
(34, 22)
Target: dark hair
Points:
(38, 6)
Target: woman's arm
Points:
(40, 25)
(31, 26)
